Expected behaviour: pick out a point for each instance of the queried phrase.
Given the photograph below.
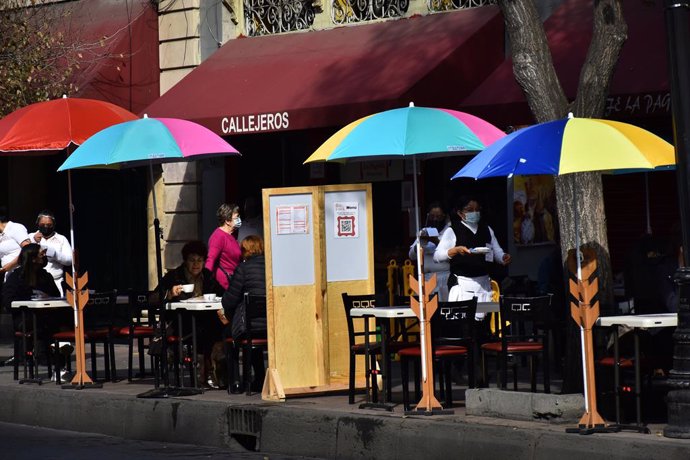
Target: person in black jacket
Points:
(249, 276)
(192, 273)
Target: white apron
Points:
(479, 287)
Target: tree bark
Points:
(534, 71)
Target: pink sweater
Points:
(223, 252)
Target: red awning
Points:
(640, 83)
(331, 77)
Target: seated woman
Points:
(192, 271)
(29, 280)
(249, 276)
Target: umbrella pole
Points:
(161, 292)
(579, 280)
(75, 309)
(420, 254)
(156, 227)
(646, 196)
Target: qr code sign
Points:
(346, 225)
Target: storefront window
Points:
(447, 5)
(265, 17)
(345, 11)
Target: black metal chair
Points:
(356, 347)
(254, 342)
(140, 315)
(453, 338)
(524, 331)
(98, 329)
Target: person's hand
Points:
(458, 251)
(507, 259)
(38, 237)
(175, 291)
(221, 316)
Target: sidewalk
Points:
(324, 427)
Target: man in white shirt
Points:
(13, 237)
(437, 220)
(58, 249)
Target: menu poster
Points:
(292, 219)
(346, 216)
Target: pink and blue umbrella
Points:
(147, 140)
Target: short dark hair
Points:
(194, 247)
(3, 214)
(464, 200)
(225, 212)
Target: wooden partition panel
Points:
(318, 245)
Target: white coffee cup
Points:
(188, 288)
(209, 297)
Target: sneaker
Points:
(65, 375)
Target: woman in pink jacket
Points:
(224, 253)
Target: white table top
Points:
(406, 312)
(195, 305)
(57, 303)
(645, 321)
(383, 312)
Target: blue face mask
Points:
(237, 222)
(472, 217)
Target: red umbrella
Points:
(57, 126)
(54, 125)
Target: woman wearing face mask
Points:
(435, 219)
(224, 253)
(469, 248)
(58, 249)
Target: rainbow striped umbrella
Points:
(571, 145)
(408, 131)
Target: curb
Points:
(293, 429)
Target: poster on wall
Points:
(292, 219)
(346, 215)
(534, 210)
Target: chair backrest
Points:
(516, 311)
(454, 321)
(357, 301)
(138, 303)
(256, 305)
(100, 309)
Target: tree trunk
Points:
(534, 71)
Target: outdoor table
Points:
(34, 306)
(636, 322)
(194, 306)
(388, 313)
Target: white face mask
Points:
(237, 222)
(472, 217)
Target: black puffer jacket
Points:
(249, 276)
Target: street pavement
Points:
(21, 442)
(318, 427)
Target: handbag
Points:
(239, 321)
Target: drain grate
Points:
(244, 421)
